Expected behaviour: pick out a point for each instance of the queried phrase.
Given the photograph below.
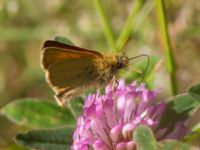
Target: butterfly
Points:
(71, 70)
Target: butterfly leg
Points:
(96, 93)
(115, 84)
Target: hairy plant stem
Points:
(165, 39)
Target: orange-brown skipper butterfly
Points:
(70, 70)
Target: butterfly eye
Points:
(122, 62)
(119, 65)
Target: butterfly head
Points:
(122, 62)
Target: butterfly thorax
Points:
(110, 66)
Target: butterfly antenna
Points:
(147, 66)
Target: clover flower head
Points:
(108, 120)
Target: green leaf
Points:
(194, 91)
(178, 109)
(63, 40)
(15, 147)
(196, 127)
(173, 145)
(193, 135)
(144, 138)
(37, 113)
(46, 139)
(183, 103)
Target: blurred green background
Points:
(26, 24)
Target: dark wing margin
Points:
(55, 44)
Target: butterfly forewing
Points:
(69, 68)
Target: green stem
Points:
(126, 31)
(144, 12)
(169, 57)
(105, 24)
